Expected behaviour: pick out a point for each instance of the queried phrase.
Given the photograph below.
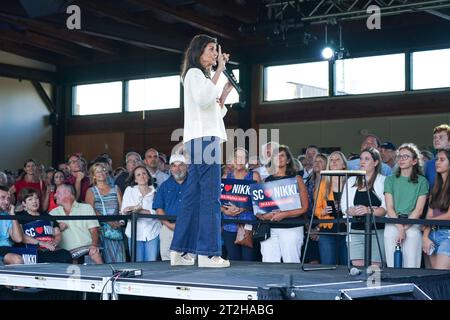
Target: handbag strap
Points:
(101, 200)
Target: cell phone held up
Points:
(332, 204)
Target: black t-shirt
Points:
(42, 230)
(361, 198)
(121, 181)
(293, 222)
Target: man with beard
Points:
(168, 201)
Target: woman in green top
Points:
(405, 194)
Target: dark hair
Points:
(22, 172)
(376, 157)
(193, 53)
(312, 146)
(4, 188)
(440, 195)
(100, 159)
(25, 193)
(50, 169)
(417, 168)
(290, 165)
(370, 135)
(130, 181)
(78, 155)
(56, 171)
(30, 160)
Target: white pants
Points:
(283, 243)
(165, 240)
(411, 246)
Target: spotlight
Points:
(327, 53)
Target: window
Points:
(370, 74)
(295, 81)
(431, 69)
(97, 98)
(154, 93)
(233, 97)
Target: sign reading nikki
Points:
(29, 254)
(40, 230)
(275, 195)
(236, 192)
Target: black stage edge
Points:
(242, 281)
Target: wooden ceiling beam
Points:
(16, 72)
(61, 33)
(137, 20)
(28, 52)
(37, 40)
(234, 11)
(104, 9)
(133, 35)
(187, 16)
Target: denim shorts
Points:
(441, 239)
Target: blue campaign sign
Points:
(29, 254)
(280, 195)
(40, 229)
(236, 192)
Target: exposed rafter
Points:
(132, 35)
(37, 40)
(17, 72)
(187, 16)
(234, 11)
(61, 33)
(149, 25)
(28, 52)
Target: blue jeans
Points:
(332, 252)
(441, 239)
(198, 225)
(146, 250)
(237, 252)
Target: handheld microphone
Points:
(231, 77)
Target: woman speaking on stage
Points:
(198, 226)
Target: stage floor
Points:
(242, 281)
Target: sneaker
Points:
(213, 262)
(178, 259)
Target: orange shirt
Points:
(322, 204)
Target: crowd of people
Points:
(402, 182)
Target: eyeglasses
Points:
(403, 157)
(100, 171)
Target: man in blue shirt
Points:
(9, 229)
(168, 201)
(370, 141)
(441, 140)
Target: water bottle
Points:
(398, 256)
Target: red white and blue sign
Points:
(280, 195)
(29, 254)
(40, 229)
(236, 192)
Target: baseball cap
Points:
(177, 157)
(388, 145)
